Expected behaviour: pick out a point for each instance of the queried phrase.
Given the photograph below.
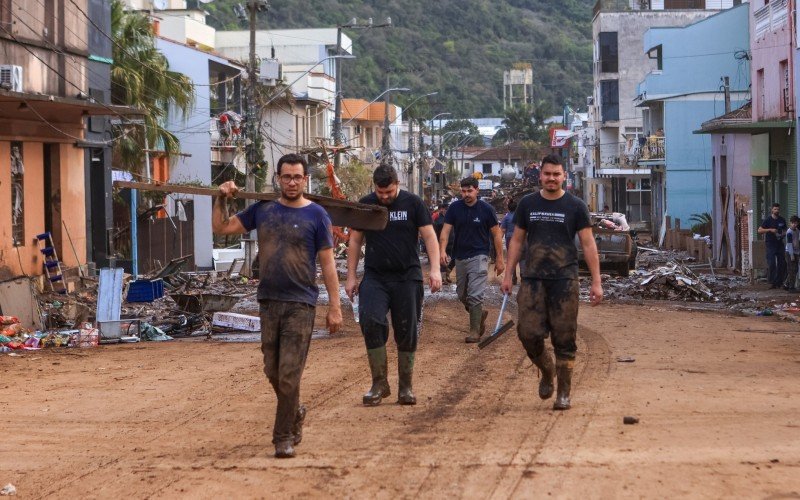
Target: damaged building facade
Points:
(54, 177)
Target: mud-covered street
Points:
(715, 396)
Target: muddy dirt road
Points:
(718, 409)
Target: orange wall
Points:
(72, 202)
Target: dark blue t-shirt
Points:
(472, 226)
(507, 225)
(774, 240)
(288, 242)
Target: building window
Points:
(684, 4)
(785, 91)
(609, 100)
(17, 195)
(467, 166)
(487, 168)
(609, 59)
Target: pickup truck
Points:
(616, 248)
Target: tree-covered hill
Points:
(459, 48)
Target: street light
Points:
(337, 111)
(309, 70)
(433, 141)
(411, 142)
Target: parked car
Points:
(616, 248)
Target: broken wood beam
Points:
(360, 216)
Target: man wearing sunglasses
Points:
(292, 232)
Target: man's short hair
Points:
(384, 176)
(469, 182)
(776, 205)
(552, 159)
(292, 159)
(794, 219)
(442, 206)
(512, 205)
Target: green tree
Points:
(140, 77)
(459, 133)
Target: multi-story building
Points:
(714, 51)
(618, 30)
(54, 81)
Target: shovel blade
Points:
(491, 338)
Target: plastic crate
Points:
(145, 290)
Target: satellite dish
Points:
(159, 4)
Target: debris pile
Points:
(672, 281)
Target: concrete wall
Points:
(705, 50)
(767, 53)
(193, 132)
(688, 156)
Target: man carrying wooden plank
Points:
(292, 232)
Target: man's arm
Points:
(443, 257)
(353, 256)
(220, 222)
(432, 247)
(499, 264)
(512, 256)
(586, 238)
(761, 229)
(334, 317)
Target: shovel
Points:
(498, 330)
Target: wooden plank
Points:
(344, 213)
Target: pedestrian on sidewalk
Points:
(292, 232)
(507, 227)
(475, 225)
(792, 253)
(547, 300)
(774, 229)
(392, 282)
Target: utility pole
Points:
(421, 160)
(386, 147)
(410, 153)
(337, 109)
(252, 131)
(726, 84)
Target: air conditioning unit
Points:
(11, 77)
(270, 72)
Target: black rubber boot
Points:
(405, 372)
(299, 418)
(564, 376)
(379, 369)
(544, 362)
(477, 319)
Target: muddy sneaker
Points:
(297, 429)
(284, 450)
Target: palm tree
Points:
(140, 77)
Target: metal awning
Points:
(58, 109)
(746, 127)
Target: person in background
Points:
(792, 254)
(774, 229)
(507, 227)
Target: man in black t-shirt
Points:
(547, 301)
(392, 282)
(475, 225)
(774, 229)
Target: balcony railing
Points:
(652, 149)
(771, 17)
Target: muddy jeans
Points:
(285, 337)
(548, 308)
(403, 299)
(471, 277)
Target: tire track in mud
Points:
(590, 380)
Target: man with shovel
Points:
(547, 301)
(292, 233)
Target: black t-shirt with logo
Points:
(393, 253)
(774, 241)
(551, 226)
